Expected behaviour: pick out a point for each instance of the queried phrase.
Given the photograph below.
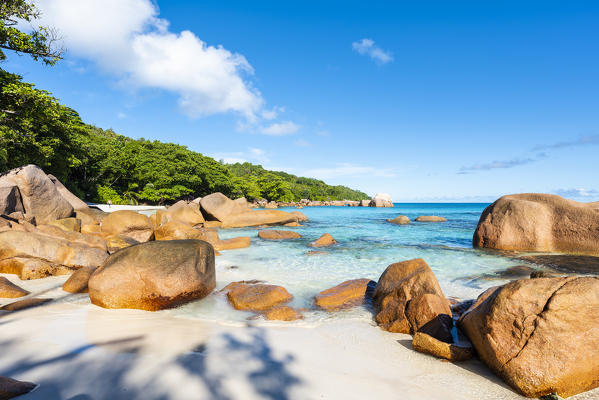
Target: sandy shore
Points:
(80, 351)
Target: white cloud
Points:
(126, 38)
(369, 48)
(121, 115)
(280, 128)
(577, 193)
(351, 170)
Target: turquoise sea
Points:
(367, 245)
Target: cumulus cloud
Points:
(128, 39)
(347, 169)
(280, 128)
(367, 47)
(515, 162)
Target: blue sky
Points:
(427, 101)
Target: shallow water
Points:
(367, 245)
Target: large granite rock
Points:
(77, 282)
(155, 275)
(128, 223)
(257, 218)
(176, 230)
(71, 236)
(39, 196)
(381, 200)
(431, 314)
(217, 206)
(399, 284)
(74, 201)
(50, 249)
(345, 295)
(539, 222)
(540, 335)
(187, 213)
(32, 268)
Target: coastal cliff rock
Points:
(345, 295)
(400, 284)
(154, 276)
(430, 218)
(273, 234)
(77, 282)
(539, 222)
(128, 223)
(381, 200)
(256, 296)
(38, 194)
(400, 220)
(540, 335)
(52, 250)
(10, 290)
(324, 241)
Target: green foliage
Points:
(100, 165)
(39, 43)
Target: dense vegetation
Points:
(100, 165)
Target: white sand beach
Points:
(80, 351)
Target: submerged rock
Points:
(430, 218)
(345, 295)
(324, 241)
(540, 335)
(128, 223)
(155, 275)
(400, 220)
(10, 290)
(273, 234)
(539, 222)
(399, 284)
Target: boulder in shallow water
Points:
(539, 222)
(258, 218)
(10, 290)
(400, 220)
(345, 295)
(274, 234)
(324, 241)
(381, 200)
(430, 218)
(128, 223)
(10, 388)
(233, 243)
(400, 283)
(540, 335)
(256, 296)
(77, 282)
(155, 275)
(300, 216)
(425, 343)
